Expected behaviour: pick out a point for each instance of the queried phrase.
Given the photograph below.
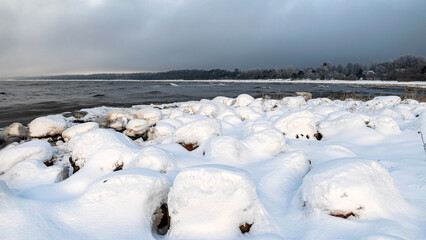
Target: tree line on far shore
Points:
(405, 68)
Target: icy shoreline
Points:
(226, 168)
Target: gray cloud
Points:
(70, 36)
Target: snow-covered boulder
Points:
(385, 125)
(136, 128)
(247, 113)
(80, 128)
(243, 100)
(153, 158)
(224, 100)
(208, 109)
(379, 103)
(351, 187)
(225, 149)
(149, 114)
(297, 125)
(214, 201)
(268, 141)
(33, 172)
(14, 132)
(115, 115)
(196, 132)
(36, 149)
(85, 145)
(47, 126)
(341, 124)
(294, 102)
(163, 129)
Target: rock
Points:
(149, 114)
(80, 128)
(305, 95)
(47, 126)
(75, 114)
(14, 133)
(36, 149)
(137, 128)
(196, 132)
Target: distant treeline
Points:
(405, 68)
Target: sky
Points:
(45, 37)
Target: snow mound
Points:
(379, 103)
(32, 172)
(115, 115)
(214, 201)
(296, 102)
(197, 132)
(346, 122)
(136, 128)
(83, 146)
(149, 114)
(385, 125)
(297, 125)
(265, 142)
(223, 149)
(247, 113)
(80, 128)
(351, 187)
(243, 100)
(153, 158)
(208, 110)
(47, 126)
(224, 100)
(36, 149)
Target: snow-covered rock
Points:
(149, 114)
(85, 145)
(197, 132)
(115, 115)
(36, 149)
(214, 201)
(80, 128)
(351, 187)
(136, 128)
(297, 125)
(268, 141)
(32, 172)
(297, 102)
(247, 113)
(225, 149)
(47, 126)
(385, 125)
(153, 158)
(14, 132)
(243, 100)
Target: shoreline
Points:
(278, 81)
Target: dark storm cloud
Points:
(68, 36)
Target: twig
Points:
(424, 145)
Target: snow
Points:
(136, 127)
(151, 115)
(196, 132)
(352, 185)
(36, 149)
(254, 166)
(80, 128)
(47, 126)
(214, 201)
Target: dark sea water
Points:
(22, 101)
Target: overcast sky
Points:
(84, 36)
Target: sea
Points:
(22, 101)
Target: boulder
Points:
(48, 126)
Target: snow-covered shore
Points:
(224, 168)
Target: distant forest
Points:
(405, 68)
